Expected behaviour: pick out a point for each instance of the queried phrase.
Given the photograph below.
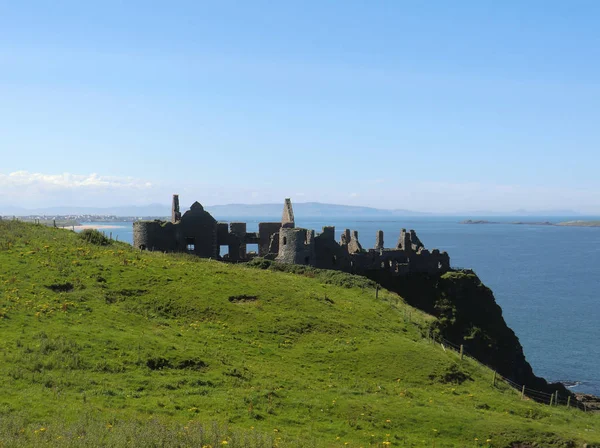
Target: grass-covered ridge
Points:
(105, 344)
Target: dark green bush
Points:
(327, 276)
(95, 237)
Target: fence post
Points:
(494, 379)
(461, 351)
(551, 399)
(523, 392)
(569, 402)
(556, 399)
(377, 292)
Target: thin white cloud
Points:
(21, 179)
(29, 189)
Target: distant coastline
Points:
(537, 223)
(95, 226)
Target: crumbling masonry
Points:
(197, 232)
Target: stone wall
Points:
(197, 232)
(328, 253)
(236, 241)
(265, 231)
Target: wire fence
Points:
(551, 399)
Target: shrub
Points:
(327, 276)
(95, 237)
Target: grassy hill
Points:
(105, 346)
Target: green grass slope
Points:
(102, 345)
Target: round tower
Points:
(142, 235)
(296, 246)
(154, 235)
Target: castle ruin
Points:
(197, 232)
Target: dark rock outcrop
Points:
(468, 314)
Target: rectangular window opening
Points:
(190, 244)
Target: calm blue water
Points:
(545, 278)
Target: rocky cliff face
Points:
(468, 314)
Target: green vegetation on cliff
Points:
(105, 346)
(467, 314)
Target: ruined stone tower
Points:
(287, 219)
(379, 240)
(175, 213)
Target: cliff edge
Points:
(467, 314)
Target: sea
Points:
(545, 278)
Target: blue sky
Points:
(437, 106)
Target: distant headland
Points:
(537, 223)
